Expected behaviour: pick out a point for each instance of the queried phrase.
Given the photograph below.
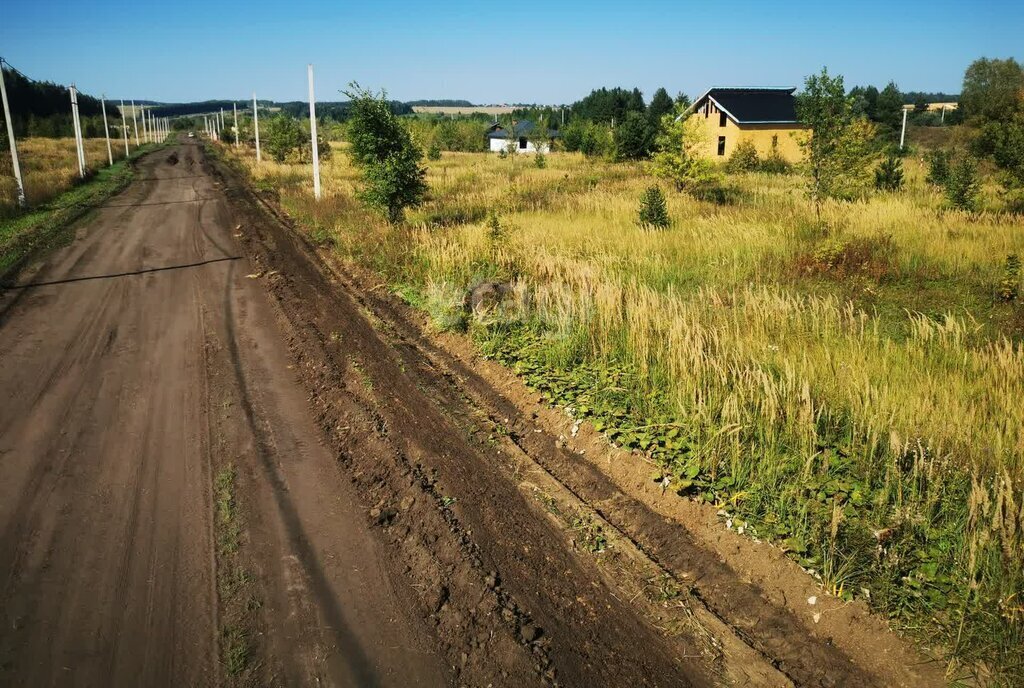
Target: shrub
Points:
(502, 153)
(938, 167)
(679, 159)
(634, 137)
(540, 161)
(744, 158)
(962, 187)
(1009, 286)
(282, 135)
(653, 212)
(495, 232)
(383, 148)
(889, 174)
(434, 152)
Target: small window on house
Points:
(721, 119)
(721, 145)
(522, 143)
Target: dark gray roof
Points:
(523, 127)
(753, 105)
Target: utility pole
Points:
(256, 125)
(78, 131)
(903, 131)
(106, 130)
(234, 107)
(124, 128)
(312, 132)
(135, 122)
(10, 140)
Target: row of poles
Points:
(157, 129)
(213, 126)
(153, 129)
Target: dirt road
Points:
(224, 461)
(136, 362)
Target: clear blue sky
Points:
(549, 52)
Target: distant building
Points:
(765, 116)
(523, 133)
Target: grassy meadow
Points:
(854, 392)
(49, 167)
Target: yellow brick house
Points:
(766, 116)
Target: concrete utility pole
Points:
(106, 130)
(234, 107)
(312, 132)
(124, 128)
(135, 122)
(22, 202)
(256, 125)
(903, 131)
(78, 131)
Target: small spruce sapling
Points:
(1009, 286)
(962, 186)
(889, 174)
(653, 212)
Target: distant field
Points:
(464, 110)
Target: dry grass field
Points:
(852, 391)
(50, 167)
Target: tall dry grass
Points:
(49, 167)
(868, 362)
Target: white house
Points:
(522, 133)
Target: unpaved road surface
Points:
(225, 461)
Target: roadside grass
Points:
(66, 197)
(49, 167)
(849, 390)
(233, 579)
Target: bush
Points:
(502, 153)
(383, 148)
(586, 137)
(962, 187)
(634, 137)
(540, 161)
(434, 152)
(744, 158)
(282, 135)
(889, 174)
(653, 212)
(938, 167)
